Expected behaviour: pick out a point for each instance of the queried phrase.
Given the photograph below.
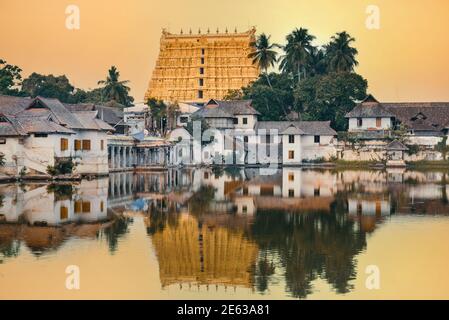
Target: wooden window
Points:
(77, 145)
(2, 141)
(291, 177)
(316, 139)
(78, 206)
(245, 139)
(64, 144)
(236, 120)
(102, 145)
(86, 145)
(378, 122)
(244, 209)
(86, 206)
(101, 206)
(63, 212)
(359, 122)
(291, 193)
(316, 192)
(291, 154)
(291, 138)
(245, 120)
(206, 175)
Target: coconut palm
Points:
(317, 62)
(116, 90)
(264, 55)
(297, 52)
(339, 53)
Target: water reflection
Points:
(230, 228)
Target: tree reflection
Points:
(310, 246)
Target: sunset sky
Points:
(407, 59)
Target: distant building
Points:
(426, 122)
(39, 133)
(237, 137)
(202, 66)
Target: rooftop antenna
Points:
(182, 31)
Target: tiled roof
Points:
(396, 145)
(226, 109)
(44, 115)
(369, 110)
(90, 122)
(307, 127)
(110, 115)
(421, 116)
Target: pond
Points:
(229, 233)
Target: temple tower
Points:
(198, 67)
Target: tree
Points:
(339, 53)
(10, 78)
(264, 55)
(48, 86)
(297, 53)
(116, 90)
(89, 96)
(275, 102)
(442, 147)
(331, 96)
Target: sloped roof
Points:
(215, 112)
(421, 116)
(236, 107)
(10, 105)
(396, 145)
(369, 108)
(90, 122)
(10, 127)
(40, 125)
(226, 109)
(307, 127)
(63, 116)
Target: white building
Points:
(40, 133)
(237, 137)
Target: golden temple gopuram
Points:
(199, 67)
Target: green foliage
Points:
(116, 90)
(163, 115)
(339, 53)
(62, 166)
(10, 78)
(61, 191)
(297, 53)
(48, 86)
(330, 97)
(442, 147)
(275, 102)
(412, 149)
(264, 54)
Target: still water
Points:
(231, 234)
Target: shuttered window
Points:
(102, 145)
(64, 144)
(86, 207)
(64, 213)
(86, 145)
(77, 145)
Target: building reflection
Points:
(227, 227)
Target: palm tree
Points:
(116, 90)
(297, 52)
(264, 55)
(339, 53)
(317, 62)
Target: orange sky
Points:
(406, 60)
